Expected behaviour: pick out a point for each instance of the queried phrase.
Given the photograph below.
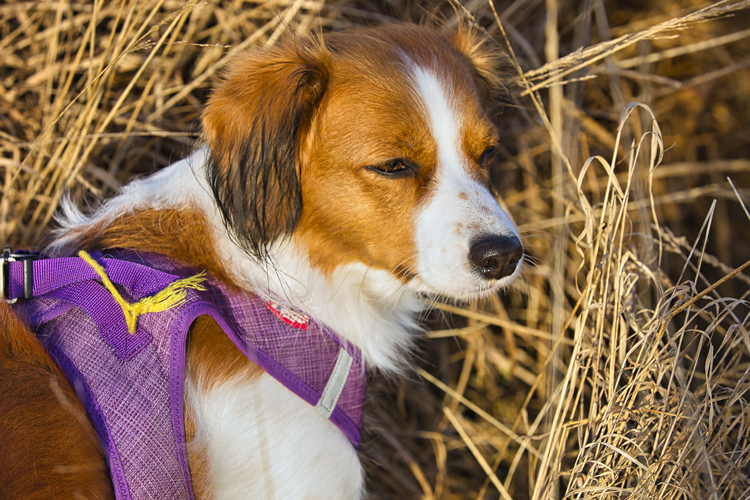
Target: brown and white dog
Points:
(348, 176)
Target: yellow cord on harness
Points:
(168, 298)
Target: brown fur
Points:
(183, 235)
(49, 449)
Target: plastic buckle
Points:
(9, 256)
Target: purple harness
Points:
(132, 385)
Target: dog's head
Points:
(372, 147)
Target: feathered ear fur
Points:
(253, 124)
(490, 63)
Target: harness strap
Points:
(47, 275)
(75, 280)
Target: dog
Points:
(343, 177)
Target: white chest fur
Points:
(263, 442)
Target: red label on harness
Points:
(288, 316)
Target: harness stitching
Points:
(170, 297)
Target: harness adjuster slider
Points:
(28, 259)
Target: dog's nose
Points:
(496, 256)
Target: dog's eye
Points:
(392, 167)
(486, 159)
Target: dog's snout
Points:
(496, 257)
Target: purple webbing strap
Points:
(73, 281)
(51, 274)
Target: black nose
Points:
(496, 256)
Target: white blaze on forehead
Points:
(445, 123)
(459, 209)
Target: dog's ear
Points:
(491, 66)
(253, 124)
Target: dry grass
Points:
(620, 367)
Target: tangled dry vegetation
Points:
(620, 367)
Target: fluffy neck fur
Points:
(368, 307)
